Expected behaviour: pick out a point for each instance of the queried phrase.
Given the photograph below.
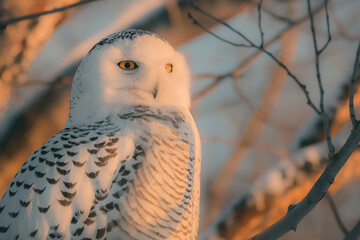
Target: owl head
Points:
(131, 67)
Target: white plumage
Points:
(127, 163)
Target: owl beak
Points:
(155, 91)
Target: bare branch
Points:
(218, 21)
(4, 24)
(298, 211)
(260, 48)
(327, 27)
(317, 54)
(275, 15)
(354, 121)
(260, 25)
(354, 233)
(238, 70)
(336, 213)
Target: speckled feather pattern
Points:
(131, 175)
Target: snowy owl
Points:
(127, 163)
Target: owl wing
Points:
(58, 185)
(156, 193)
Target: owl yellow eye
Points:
(169, 67)
(127, 65)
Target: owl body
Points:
(125, 166)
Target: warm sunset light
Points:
(173, 119)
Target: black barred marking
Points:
(89, 221)
(67, 146)
(24, 204)
(58, 156)
(74, 220)
(100, 145)
(11, 193)
(31, 167)
(109, 227)
(92, 214)
(106, 158)
(39, 191)
(78, 164)
(71, 154)
(23, 170)
(84, 134)
(112, 141)
(93, 151)
(18, 183)
(125, 173)
(128, 34)
(33, 158)
(110, 205)
(122, 169)
(50, 163)
(100, 164)
(41, 159)
(61, 164)
(94, 138)
(44, 210)
(100, 233)
(73, 136)
(33, 233)
(137, 154)
(52, 180)
(84, 142)
(62, 171)
(2, 208)
(14, 214)
(117, 207)
(78, 231)
(100, 197)
(55, 149)
(116, 195)
(55, 235)
(4, 229)
(12, 184)
(68, 195)
(93, 175)
(39, 174)
(137, 165)
(122, 182)
(44, 152)
(64, 202)
(111, 150)
(69, 184)
(73, 143)
(28, 186)
(64, 138)
(102, 208)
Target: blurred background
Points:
(262, 145)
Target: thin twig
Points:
(354, 121)
(323, 114)
(219, 21)
(336, 213)
(4, 24)
(262, 49)
(317, 54)
(328, 28)
(275, 15)
(260, 24)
